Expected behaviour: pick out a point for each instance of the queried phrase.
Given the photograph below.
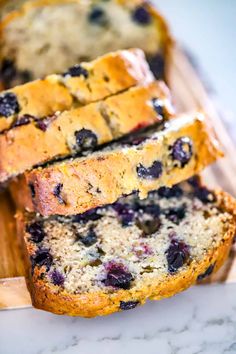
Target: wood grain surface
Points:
(189, 94)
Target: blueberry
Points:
(157, 65)
(128, 305)
(205, 195)
(8, 104)
(168, 193)
(152, 172)
(32, 190)
(23, 120)
(152, 209)
(57, 193)
(85, 140)
(57, 278)
(44, 123)
(118, 277)
(182, 150)
(89, 239)
(158, 106)
(76, 71)
(25, 76)
(148, 226)
(194, 181)
(125, 212)
(141, 16)
(97, 16)
(36, 231)
(42, 258)
(7, 72)
(208, 272)
(177, 255)
(90, 215)
(175, 214)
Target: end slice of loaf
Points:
(82, 129)
(44, 37)
(159, 157)
(80, 85)
(115, 258)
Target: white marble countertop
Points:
(199, 321)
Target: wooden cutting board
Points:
(189, 94)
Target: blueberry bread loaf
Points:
(161, 156)
(115, 258)
(39, 31)
(81, 129)
(81, 84)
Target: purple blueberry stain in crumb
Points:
(128, 305)
(44, 123)
(57, 278)
(97, 16)
(41, 258)
(141, 16)
(177, 255)
(206, 196)
(36, 231)
(168, 193)
(142, 250)
(85, 140)
(89, 239)
(32, 190)
(152, 172)
(76, 71)
(182, 150)
(207, 273)
(8, 104)
(118, 276)
(175, 214)
(157, 65)
(125, 213)
(158, 106)
(134, 140)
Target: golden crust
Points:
(49, 298)
(108, 120)
(102, 178)
(41, 98)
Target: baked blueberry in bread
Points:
(115, 258)
(161, 156)
(83, 84)
(43, 37)
(82, 129)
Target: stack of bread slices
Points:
(110, 209)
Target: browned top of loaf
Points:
(103, 77)
(56, 136)
(104, 176)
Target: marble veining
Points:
(199, 321)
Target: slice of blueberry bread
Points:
(80, 85)
(161, 156)
(115, 258)
(82, 129)
(72, 31)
